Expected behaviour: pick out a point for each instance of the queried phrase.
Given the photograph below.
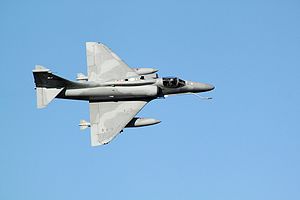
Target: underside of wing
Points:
(104, 65)
(108, 119)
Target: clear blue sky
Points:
(244, 144)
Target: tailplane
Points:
(48, 85)
(45, 95)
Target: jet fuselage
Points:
(118, 91)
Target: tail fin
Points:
(44, 78)
(48, 85)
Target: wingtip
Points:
(94, 43)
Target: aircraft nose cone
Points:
(209, 87)
(203, 87)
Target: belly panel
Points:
(114, 93)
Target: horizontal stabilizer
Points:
(46, 95)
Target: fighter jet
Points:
(116, 92)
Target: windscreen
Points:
(173, 82)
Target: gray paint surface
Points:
(116, 92)
(109, 118)
(104, 65)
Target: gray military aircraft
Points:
(116, 92)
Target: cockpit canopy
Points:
(173, 82)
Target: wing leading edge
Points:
(108, 119)
(104, 65)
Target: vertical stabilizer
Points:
(48, 85)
